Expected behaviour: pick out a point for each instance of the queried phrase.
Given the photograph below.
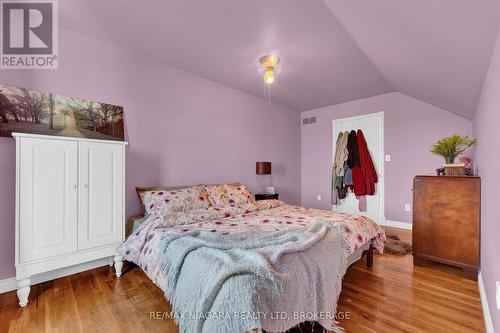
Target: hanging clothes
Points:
(362, 203)
(357, 181)
(348, 176)
(343, 188)
(334, 196)
(338, 166)
(341, 154)
(352, 148)
(342, 192)
(368, 173)
(353, 169)
(353, 162)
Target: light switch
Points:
(318, 197)
(387, 158)
(407, 208)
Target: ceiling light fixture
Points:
(269, 64)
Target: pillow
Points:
(181, 200)
(229, 194)
(239, 195)
(141, 193)
(218, 194)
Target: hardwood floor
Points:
(397, 297)
(393, 296)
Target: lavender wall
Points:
(182, 129)
(487, 160)
(411, 126)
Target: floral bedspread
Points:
(143, 247)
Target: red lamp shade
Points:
(263, 168)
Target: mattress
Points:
(143, 247)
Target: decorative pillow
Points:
(182, 200)
(217, 194)
(239, 195)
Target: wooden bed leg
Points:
(369, 257)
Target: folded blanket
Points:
(254, 280)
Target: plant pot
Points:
(454, 169)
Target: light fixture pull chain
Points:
(269, 87)
(268, 64)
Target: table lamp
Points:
(263, 169)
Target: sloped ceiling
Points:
(437, 51)
(222, 40)
(332, 51)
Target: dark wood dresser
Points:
(446, 221)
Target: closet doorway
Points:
(372, 126)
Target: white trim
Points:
(15, 135)
(366, 115)
(397, 224)
(381, 182)
(488, 323)
(9, 284)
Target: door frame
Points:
(381, 171)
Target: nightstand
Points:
(263, 196)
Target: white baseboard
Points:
(488, 323)
(10, 283)
(397, 224)
(7, 285)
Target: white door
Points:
(48, 197)
(101, 194)
(372, 126)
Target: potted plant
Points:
(449, 148)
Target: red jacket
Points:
(364, 180)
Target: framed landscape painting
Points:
(29, 111)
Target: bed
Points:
(214, 245)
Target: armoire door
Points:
(101, 194)
(48, 197)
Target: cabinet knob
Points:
(86, 186)
(75, 187)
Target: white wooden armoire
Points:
(69, 204)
